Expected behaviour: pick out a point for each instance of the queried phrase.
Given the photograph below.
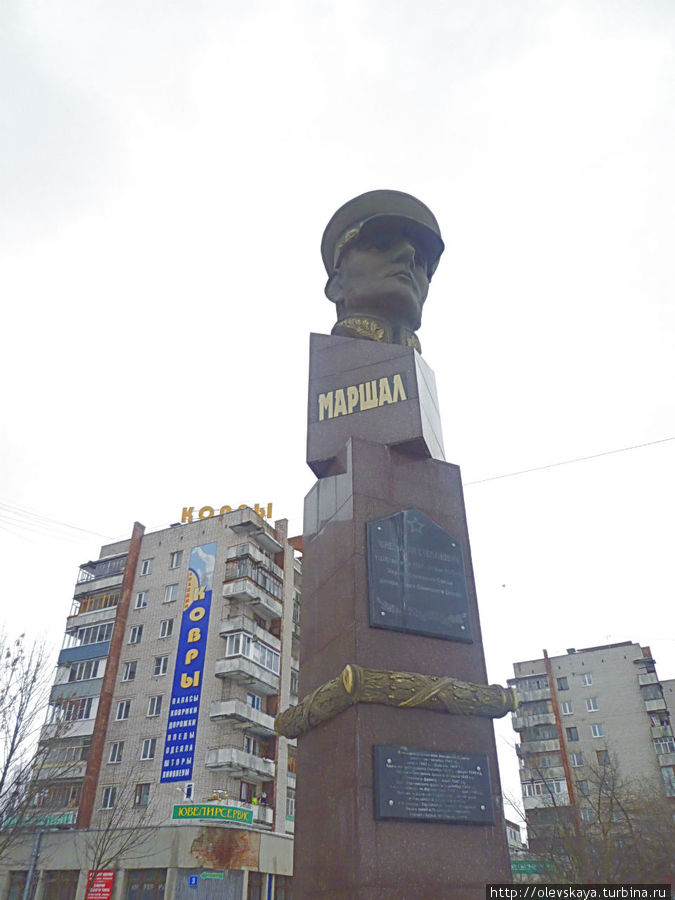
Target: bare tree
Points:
(25, 679)
(123, 829)
(618, 830)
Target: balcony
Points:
(648, 678)
(522, 720)
(666, 759)
(655, 705)
(71, 690)
(78, 728)
(71, 655)
(94, 617)
(255, 721)
(245, 671)
(660, 731)
(245, 590)
(239, 763)
(537, 774)
(242, 623)
(526, 747)
(249, 527)
(263, 815)
(546, 801)
(69, 770)
(99, 583)
(531, 696)
(256, 554)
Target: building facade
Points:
(597, 710)
(180, 648)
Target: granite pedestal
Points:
(342, 848)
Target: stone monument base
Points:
(393, 803)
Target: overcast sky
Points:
(166, 172)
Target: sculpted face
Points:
(383, 271)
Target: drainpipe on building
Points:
(35, 853)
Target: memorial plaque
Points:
(432, 786)
(416, 580)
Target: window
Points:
(588, 815)
(668, 775)
(99, 601)
(74, 710)
(577, 759)
(536, 708)
(94, 634)
(146, 567)
(602, 757)
(582, 787)
(170, 593)
(84, 671)
(567, 708)
(294, 681)
(155, 705)
(253, 700)
(149, 884)
(17, 886)
(592, 704)
(544, 788)
(109, 795)
(251, 745)
(123, 710)
(129, 671)
(141, 600)
(161, 665)
(69, 753)
(175, 559)
(659, 718)
(562, 684)
(587, 679)
(597, 729)
(536, 683)
(116, 751)
(189, 790)
(166, 628)
(572, 734)
(135, 634)
(540, 733)
(290, 804)
(246, 791)
(664, 745)
(142, 795)
(60, 884)
(546, 762)
(149, 748)
(242, 644)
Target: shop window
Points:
(61, 885)
(145, 884)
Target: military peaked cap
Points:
(382, 207)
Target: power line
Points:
(24, 518)
(567, 462)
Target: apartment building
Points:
(180, 647)
(588, 709)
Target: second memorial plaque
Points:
(416, 579)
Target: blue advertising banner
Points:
(181, 729)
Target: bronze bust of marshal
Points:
(380, 250)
